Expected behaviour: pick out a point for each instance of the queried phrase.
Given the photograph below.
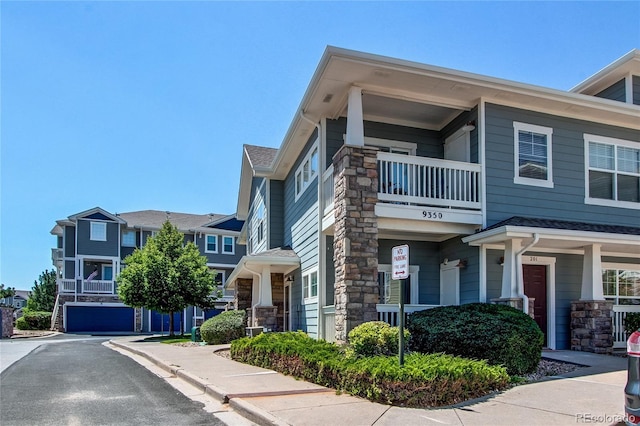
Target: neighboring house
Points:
(91, 249)
(18, 300)
(504, 192)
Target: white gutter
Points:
(519, 276)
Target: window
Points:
(310, 286)
(107, 272)
(227, 245)
(389, 289)
(307, 171)
(613, 171)
(129, 238)
(257, 231)
(211, 244)
(533, 155)
(621, 284)
(98, 231)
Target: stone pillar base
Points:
(7, 321)
(516, 302)
(266, 317)
(591, 326)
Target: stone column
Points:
(516, 302)
(591, 326)
(355, 238)
(242, 297)
(7, 321)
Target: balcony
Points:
(420, 189)
(57, 256)
(88, 287)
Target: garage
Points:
(99, 318)
(160, 322)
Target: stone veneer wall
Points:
(277, 297)
(356, 238)
(243, 294)
(7, 321)
(591, 326)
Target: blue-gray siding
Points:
(99, 248)
(231, 259)
(69, 269)
(69, 241)
(614, 92)
(275, 211)
(505, 199)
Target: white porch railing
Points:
(428, 181)
(618, 315)
(66, 286)
(390, 313)
(97, 286)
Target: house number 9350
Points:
(431, 215)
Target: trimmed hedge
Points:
(499, 334)
(376, 338)
(424, 381)
(34, 320)
(223, 328)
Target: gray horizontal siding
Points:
(275, 211)
(566, 200)
(99, 248)
(69, 241)
(614, 92)
(69, 269)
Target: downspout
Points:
(322, 291)
(520, 278)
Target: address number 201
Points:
(431, 215)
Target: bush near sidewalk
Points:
(34, 320)
(497, 333)
(424, 381)
(223, 328)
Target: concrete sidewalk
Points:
(589, 395)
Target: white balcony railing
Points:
(428, 181)
(390, 313)
(97, 287)
(328, 189)
(66, 286)
(57, 255)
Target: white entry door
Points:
(450, 283)
(456, 147)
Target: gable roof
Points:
(628, 64)
(95, 213)
(257, 161)
(154, 219)
(260, 156)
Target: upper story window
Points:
(98, 231)
(613, 171)
(310, 286)
(257, 231)
(307, 171)
(532, 155)
(228, 246)
(211, 244)
(129, 238)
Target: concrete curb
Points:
(244, 408)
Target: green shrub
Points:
(632, 322)
(497, 333)
(223, 328)
(424, 380)
(34, 320)
(376, 338)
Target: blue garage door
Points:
(100, 318)
(160, 322)
(210, 313)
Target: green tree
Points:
(43, 293)
(6, 292)
(166, 275)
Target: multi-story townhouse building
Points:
(505, 192)
(92, 247)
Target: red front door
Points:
(535, 286)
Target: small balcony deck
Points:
(88, 287)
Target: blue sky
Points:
(146, 105)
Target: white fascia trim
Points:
(508, 232)
(634, 54)
(253, 261)
(81, 215)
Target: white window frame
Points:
(587, 168)
(206, 243)
(307, 295)
(233, 244)
(532, 128)
(103, 271)
(626, 267)
(128, 232)
(98, 231)
(306, 173)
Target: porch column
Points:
(355, 238)
(592, 274)
(265, 287)
(355, 120)
(510, 269)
